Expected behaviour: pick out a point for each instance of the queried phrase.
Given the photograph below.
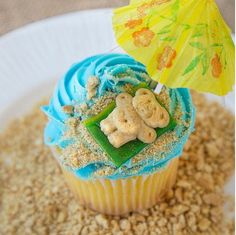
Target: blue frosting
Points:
(113, 71)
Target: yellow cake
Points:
(121, 196)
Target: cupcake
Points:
(117, 142)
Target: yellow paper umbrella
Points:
(183, 43)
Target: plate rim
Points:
(28, 27)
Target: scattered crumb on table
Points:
(34, 198)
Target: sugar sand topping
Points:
(85, 149)
(99, 104)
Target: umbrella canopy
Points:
(183, 43)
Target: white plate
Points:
(43, 51)
(34, 57)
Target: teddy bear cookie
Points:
(148, 108)
(134, 118)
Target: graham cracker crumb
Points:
(204, 224)
(125, 224)
(82, 108)
(68, 109)
(213, 199)
(102, 221)
(91, 86)
(34, 198)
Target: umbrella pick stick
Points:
(113, 48)
(158, 88)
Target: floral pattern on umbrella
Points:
(183, 43)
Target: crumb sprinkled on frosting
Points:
(91, 86)
(68, 109)
(94, 153)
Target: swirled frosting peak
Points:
(113, 72)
